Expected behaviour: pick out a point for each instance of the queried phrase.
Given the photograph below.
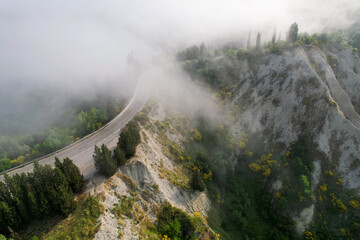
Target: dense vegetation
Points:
(176, 224)
(240, 196)
(84, 118)
(245, 203)
(43, 193)
(107, 162)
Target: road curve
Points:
(81, 151)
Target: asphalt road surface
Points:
(81, 151)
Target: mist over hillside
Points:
(51, 52)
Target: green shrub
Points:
(125, 207)
(174, 222)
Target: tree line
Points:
(106, 161)
(41, 194)
(197, 53)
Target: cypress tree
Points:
(42, 183)
(104, 161)
(293, 33)
(110, 165)
(97, 157)
(249, 41)
(13, 183)
(7, 218)
(273, 40)
(33, 205)
(258, 41)
(129, 139)
(28, 196)
(64, 201)
(72, 173)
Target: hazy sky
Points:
(71, 45)
(88, 40)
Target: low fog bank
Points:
(176, 91)
(55, 51)
(30, 106)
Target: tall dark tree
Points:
(273, 40)
(258, 41)
(8, 217)
(32, 203)
(249, 41)
(72, 174)
(97, 157)
(42, 178)
(104, 161)
(64, 201)
(293, 32)
(14, 184)
(129, 139)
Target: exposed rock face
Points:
(305, 89)
(347, 73)
(143, 181)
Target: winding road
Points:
(81, 151)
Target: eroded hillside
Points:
(298, 105)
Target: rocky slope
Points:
(306, 88)
(143, 181)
